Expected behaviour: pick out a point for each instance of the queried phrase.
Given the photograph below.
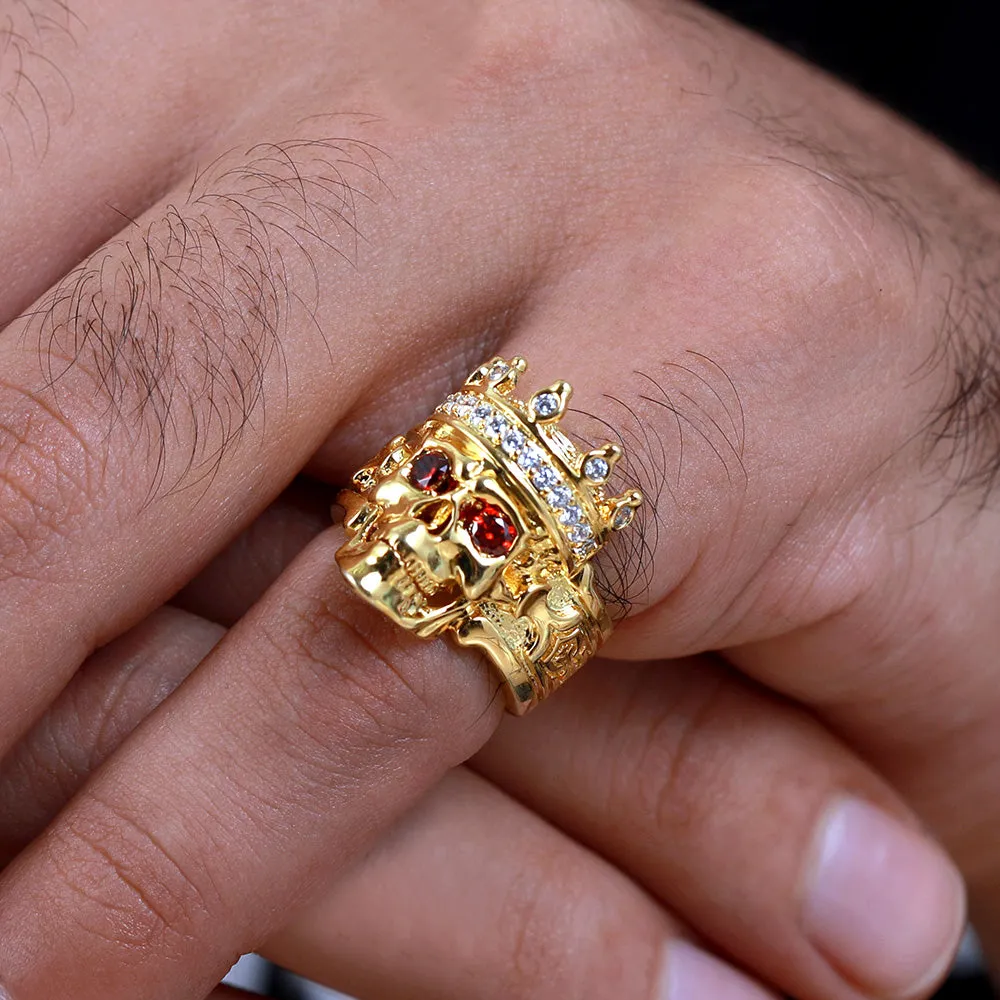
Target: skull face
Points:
(433, 530)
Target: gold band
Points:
(483, 522)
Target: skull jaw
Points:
(378, 574)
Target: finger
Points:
(116, 689)
(821, 469)
(473, 897)
(743, 814)
(304, 734)
(239, 575)
(124, 681)
(123, 684)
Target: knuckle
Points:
(125, 886)
(36, 779)
(555, 903)
(675, 767)
(49, 474)
(546, 41)
(536, 914)
(826, 234)
(351, 670)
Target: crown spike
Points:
(548, 405)
(598, 464)
(568, 484)
(498, 374)
(623, 509)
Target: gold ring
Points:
(483, 522)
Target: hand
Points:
(779, 261)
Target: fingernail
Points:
(692, 974)
(884, 904)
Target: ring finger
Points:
(307, 731)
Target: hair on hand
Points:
(693, 405)
(178, 324)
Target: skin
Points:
(776, 292)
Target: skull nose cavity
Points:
(437, 514)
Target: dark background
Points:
(936, 63)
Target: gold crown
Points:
(569, 484)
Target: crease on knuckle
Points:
(379, 693)
(49, 475)
(673, 768)
(134, 893)
(536, 912)
(554, 906)
(36, 779)
(53, 753)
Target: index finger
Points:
(305, 733)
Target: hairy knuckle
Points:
(125, 885)
(174, 330)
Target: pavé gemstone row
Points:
(493, 425)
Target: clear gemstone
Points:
(546, 404)
(498, 371)
(482, 412)
(545, 477)
(596, 469)
(496, 426)
(585, 549)
(580, 533)
(513, 441)
(623, 518)
(571, 515)
(561, 496)
(530, 458)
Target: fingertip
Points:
(884, 904)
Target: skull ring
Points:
(483, 522)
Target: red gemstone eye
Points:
(490, 528)
(430, 471)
